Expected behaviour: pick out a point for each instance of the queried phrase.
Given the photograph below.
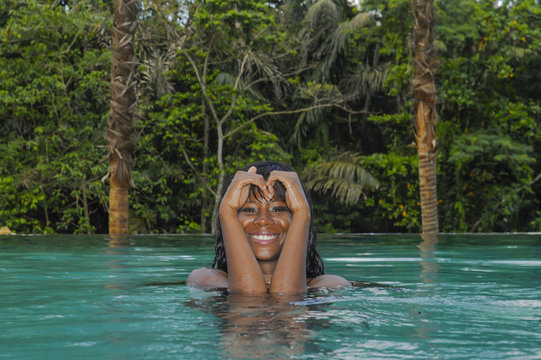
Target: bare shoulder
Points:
(328, 281)
(205, 278)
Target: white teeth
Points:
(264, 237)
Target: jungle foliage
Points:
(322, 85)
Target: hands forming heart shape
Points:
(239, 191)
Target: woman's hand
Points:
(238, 192)
(295, 198)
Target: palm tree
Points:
(123, 105)
(343, 176)
(326, 33)
(424, 93)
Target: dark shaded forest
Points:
(322, 85)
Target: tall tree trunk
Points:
(123, 105)
(204, 196)
(221, 176)
(424, 93)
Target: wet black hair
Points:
(314, 263)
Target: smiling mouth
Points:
(263, 238)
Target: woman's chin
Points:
(266, 252)
(265, 256)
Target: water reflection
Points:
(429, 265)
(117, 264)
(424, 328)
(259, 326)
(119, 240)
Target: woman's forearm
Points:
(290, 274)
(243, 271)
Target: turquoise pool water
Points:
(467, 297)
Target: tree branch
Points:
(235, 87)
(203, 86)
(289, 112)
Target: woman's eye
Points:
(279, 209)
(248, 210)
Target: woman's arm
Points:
(290, 273)
(243, 271)
(208, 278)
(329, 281)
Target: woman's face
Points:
(265, 224)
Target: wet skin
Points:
(265, 238)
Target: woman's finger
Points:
(244, 179)
(261, 184)
(295, 197)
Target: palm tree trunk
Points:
(424, 93)
(123, 105)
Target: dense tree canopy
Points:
(323, 85)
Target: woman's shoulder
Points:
(205, 278)
(328, 281)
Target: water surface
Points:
(467, 297)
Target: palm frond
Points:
(306, 120)
(318, 91)
(343, 177)
(317, 99)
(367, 80)
(153, 78)
(322, 14)
(347, 28)
(264, 67)
(225, 78)
(328, 34)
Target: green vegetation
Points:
(321, 85)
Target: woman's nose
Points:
(263, 218)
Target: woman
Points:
(265, 239)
